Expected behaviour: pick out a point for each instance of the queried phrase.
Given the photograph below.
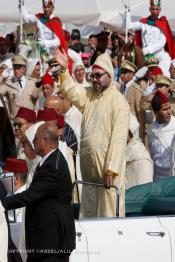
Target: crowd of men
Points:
(81, 114)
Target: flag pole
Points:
(21, 20)
(126, 5)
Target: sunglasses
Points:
(96, 75)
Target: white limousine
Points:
(146, 234)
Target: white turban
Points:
(31, 66)
(76, 64)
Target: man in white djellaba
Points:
(161, 137)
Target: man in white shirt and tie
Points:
(17, 88)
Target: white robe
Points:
(45, 35)
(160, 140)
(105, 119)
(153, 41)
(139, 165)
(74, 117)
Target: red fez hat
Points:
(16, 165)
(155, 70)
(163, 98)
(158, 99)
(60, 121)
(46, 115)
(3, 39)
(27, 114)
(47, 79)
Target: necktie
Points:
(123, 89)
(19, 81)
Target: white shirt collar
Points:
(21, 189)
(68, 113)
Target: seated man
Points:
(161, 137)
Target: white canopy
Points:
(83, 12)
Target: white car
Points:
(131, 239)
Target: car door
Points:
(80, 254)
(128, 239)
(169, 223)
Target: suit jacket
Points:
(27, 97)
(49, 222)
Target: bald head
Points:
(59, 103)
(46, 139)
(56, 103)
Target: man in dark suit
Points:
(49, 223)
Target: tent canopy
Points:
(81, 12)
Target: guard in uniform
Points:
(154, 36)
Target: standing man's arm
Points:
(26, 16)
(135, 26)
(44, 185)
(69, 88)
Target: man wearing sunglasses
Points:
(105, 119)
